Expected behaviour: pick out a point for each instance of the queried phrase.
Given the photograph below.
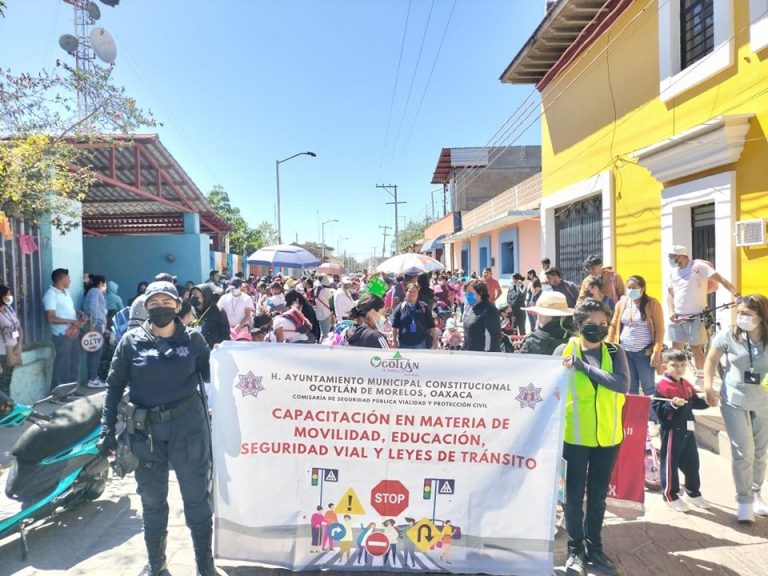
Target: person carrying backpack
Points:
(516, 300)
(413, 325)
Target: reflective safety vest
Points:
(593, 413)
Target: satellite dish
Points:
(103, 45)
(68, 43)
(93, 11)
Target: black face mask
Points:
(161, 316)
(195, 301)
(594, 333)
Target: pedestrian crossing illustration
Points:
(417, 561)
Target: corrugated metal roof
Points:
(140, 188)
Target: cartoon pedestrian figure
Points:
(329, 518)
(392, 534)
(316, 523)
(365, 531)
(446, 541)
(409, 546)
(345, 544)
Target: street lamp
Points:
(338, 248)
(277, 178)
(322, 249)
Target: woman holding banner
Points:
(369, 320)
(593, 432)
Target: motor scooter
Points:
(56, 463)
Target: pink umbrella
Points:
(331, 268)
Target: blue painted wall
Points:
(483, 254)
(508, 261)
(62, 251)
(128, 260)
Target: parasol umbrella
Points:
(284, 256)
(331, 268)
(409, 262)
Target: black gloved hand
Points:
(107, 443)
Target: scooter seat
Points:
(68, 424)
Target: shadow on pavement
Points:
(72, 536)
(643, 548)
(726, 516)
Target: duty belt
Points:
(159, 415)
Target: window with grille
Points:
(697, 30)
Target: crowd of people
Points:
(608, 332)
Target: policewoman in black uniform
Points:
(162, 363)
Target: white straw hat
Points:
(551, 303)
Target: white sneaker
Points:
(699, 502)
(759, 506)
(96, 383)
(678, 505)
(746, 512)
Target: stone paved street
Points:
(104, 537)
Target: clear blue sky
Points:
(239, 84)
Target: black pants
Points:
(183, 442)
(519, 315)
(590, 469)
(679, 452)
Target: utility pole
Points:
(384, 245)
(392, 189)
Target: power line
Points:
(394, 90)
(413, 80)
(429, 80)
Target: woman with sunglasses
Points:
(744, 395)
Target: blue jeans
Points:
(93, 361)
(641, 375)
(325, 327)
(66, 362)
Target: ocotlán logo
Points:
(398, 363)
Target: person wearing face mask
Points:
(413, 325)
(744, 395)
(238, 307)
(482, 323)
(211, 322)
(162, 364)
(553, 321)
(369, 321)
(687, 294)
(594, 430)
(10, 338)
(95, 306)
(638, 325)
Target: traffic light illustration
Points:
(427, 488)
(315, 476)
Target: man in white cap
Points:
(687, 295)
(342, 299)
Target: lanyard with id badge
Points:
(751, 376)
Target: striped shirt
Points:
(635, 332)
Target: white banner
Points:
(365, 459)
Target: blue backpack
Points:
(120, 322)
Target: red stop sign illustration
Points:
(389, 498)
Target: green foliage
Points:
(243, 239)
(42, 168)
(408, 236)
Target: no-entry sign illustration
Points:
(389, 498)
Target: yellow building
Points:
(654, 114)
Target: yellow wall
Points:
(580, 137)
